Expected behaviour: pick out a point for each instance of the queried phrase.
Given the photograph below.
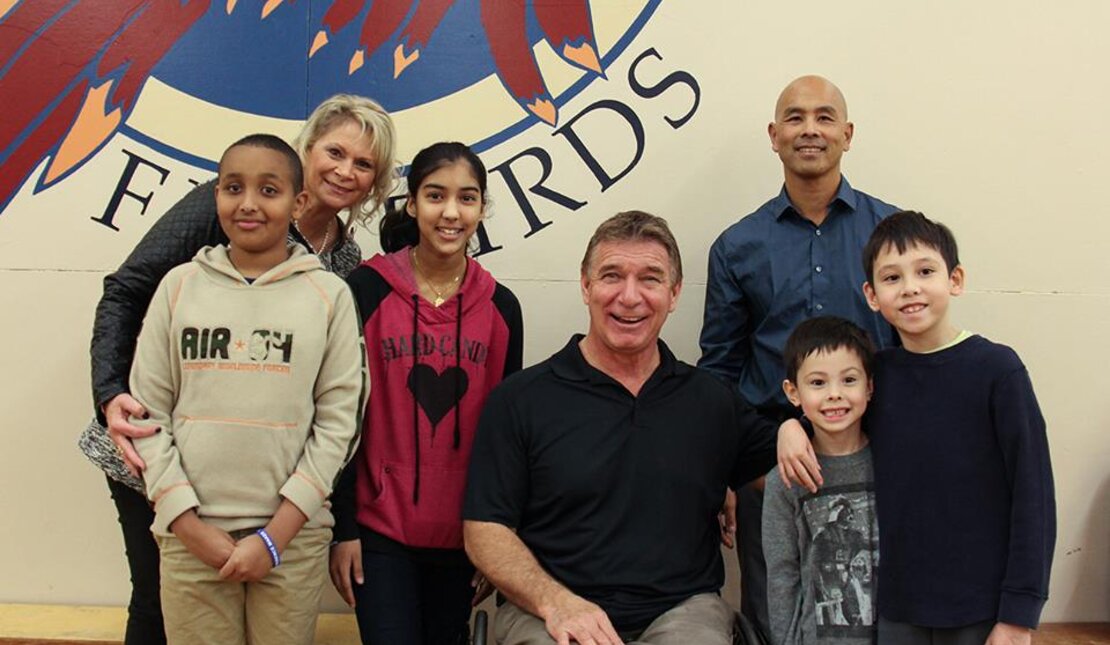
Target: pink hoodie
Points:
(430, 372)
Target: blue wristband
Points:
(274, 555)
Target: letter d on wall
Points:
(591, 162)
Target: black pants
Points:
(409, 600)
(753, 568)
(144, 612)
(906, 634)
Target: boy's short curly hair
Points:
(826, 334)
(278, 145)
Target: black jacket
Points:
(175, 238)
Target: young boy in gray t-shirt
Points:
(822, 549)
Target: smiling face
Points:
(832, 388)
(811, 130)
(255, 200)
(629, 289)
(912, 290)
(447, 206)
(340, 167)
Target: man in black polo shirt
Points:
(597, 474)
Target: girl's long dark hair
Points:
(397, 228)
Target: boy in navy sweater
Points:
(967, 514)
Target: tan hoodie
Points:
(258, 388)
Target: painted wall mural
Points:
(168, 73)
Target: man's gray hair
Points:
(636, 226)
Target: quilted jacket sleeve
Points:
(188, 226)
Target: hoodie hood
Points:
(431, 369)
(217, 264)
(476, 288)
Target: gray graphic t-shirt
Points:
(822, 551)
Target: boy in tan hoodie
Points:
(250, 363)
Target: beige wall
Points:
(986, 115)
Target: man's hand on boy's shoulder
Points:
(1007, 634)
(797, 461)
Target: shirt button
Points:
(818, 232)
(817, 269)
(820, 307)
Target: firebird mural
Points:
(73, 71)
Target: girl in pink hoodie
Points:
(440, 334)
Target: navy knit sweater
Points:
(967, 512)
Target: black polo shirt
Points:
(616, 495)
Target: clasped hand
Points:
(247, 560)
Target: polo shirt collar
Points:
(781, 205)
(569, 364)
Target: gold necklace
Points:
(440, 298)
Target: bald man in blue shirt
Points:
(795, 257)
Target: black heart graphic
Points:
(436, 393)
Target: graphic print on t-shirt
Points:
(845, 541)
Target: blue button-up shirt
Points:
(772, 270)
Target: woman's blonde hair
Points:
(376, 124)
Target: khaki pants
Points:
(280, 609)
(704, 619)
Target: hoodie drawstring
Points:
(458, 365)
(415, 402)
(416, 385)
